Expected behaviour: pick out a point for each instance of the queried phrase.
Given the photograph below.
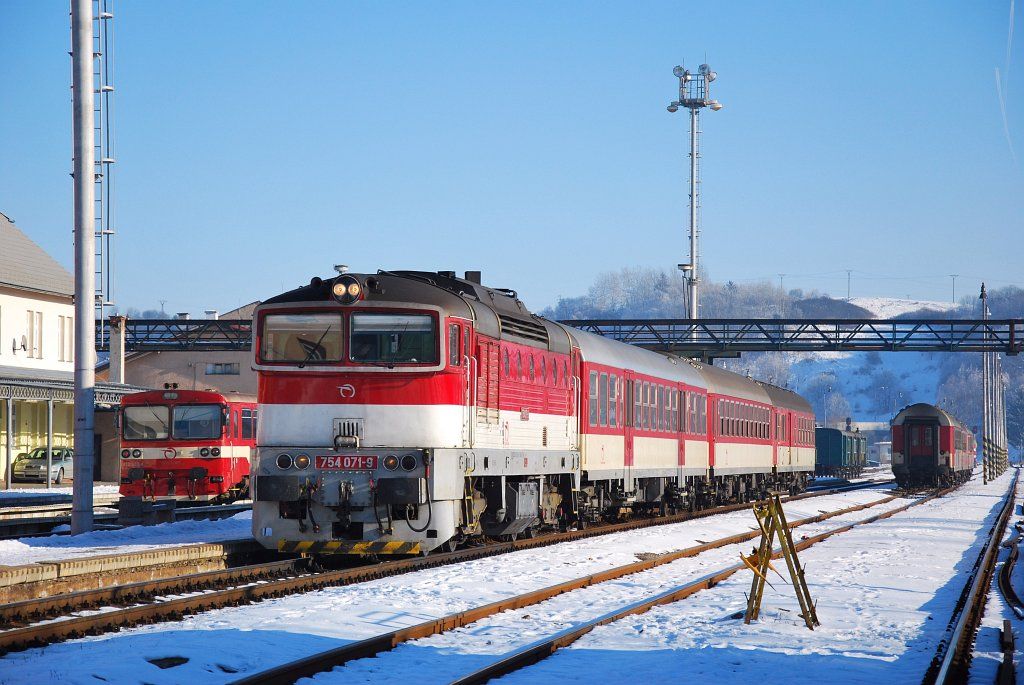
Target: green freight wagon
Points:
(840, 453)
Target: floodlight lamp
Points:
(677, 72)
(712, 75)
(673, 107)
(716, 105)
(686, 76)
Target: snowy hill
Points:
(888, 307)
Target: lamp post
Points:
(694, 95)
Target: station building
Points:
(37, 355)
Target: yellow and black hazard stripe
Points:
(348, 547)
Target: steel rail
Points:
(1006, 574)
(324, 661)
(531, 654)
(41, 634)
(952, 658)
(37, 609)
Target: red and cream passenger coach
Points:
(405, 411)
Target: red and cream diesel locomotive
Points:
(931, 447)
(406, 411)
(186, 445)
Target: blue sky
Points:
(259, 143)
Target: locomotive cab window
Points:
(379, 338)
(301, 338)
(148, 422)
(197, 421)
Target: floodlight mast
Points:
(694, 95)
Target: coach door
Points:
(630, 416)
(922, 441)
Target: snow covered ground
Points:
(884, 593)
(248, 638)
(130, 539)
(11, 497)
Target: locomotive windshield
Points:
(146, 422)
(197, 421)
(393, 338)
(301, 338)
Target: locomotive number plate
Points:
(343, 462)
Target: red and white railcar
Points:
(403, 411)
(931, 447)
(186, 445)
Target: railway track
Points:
(40, 521)
(952, 660)
(535, 652)
(147, 602)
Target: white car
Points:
(31, 466)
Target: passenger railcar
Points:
(406, 411)
(187, 445)
(840, 453)
(931, 447)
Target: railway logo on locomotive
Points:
(170, 453)
(347, 391)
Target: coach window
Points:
(927, 436)
(613, 405)
(913, 436)
(602, 407)
(454, 358)
(593, 398)
(248, 423)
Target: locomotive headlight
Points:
(284, 461)
(125, 454)
(302, 461)
(409, 462)
(215, 451)
(137, 453)
(346, 289)
(204, 452)
(391, 462)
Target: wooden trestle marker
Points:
(772, 521)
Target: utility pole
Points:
(849, 275)
(953, 276)
(85, 293)
(694, 94)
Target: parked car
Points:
(31, 466)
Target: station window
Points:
(222, 369)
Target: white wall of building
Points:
(48, 335)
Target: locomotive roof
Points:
(923, 410)
(496, 312)
(601, 350)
